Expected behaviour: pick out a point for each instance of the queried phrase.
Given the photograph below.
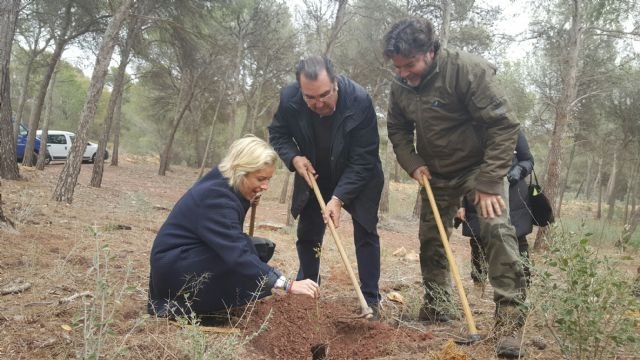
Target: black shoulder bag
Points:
(541, 209)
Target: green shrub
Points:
(586, 300)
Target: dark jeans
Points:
(311, 229)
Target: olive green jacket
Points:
(460, 118)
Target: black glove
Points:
(515, 174)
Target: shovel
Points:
(473, 332)
(252, 219)
(366, 311)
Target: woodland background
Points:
(191, 76)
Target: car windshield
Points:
(23, 130)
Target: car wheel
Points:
(47, 159)
(93, 158)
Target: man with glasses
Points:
(448, 121)
(326, 127)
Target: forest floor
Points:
(87, 264)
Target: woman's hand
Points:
(305, 287)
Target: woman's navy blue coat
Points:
(202, 253)
(356, 171)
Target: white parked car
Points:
(59, 145)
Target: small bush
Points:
(586, 300)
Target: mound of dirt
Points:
(294, 326)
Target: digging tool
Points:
(473, 332)
(366, 311)
(252, 218)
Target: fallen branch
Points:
(75, 296)
(15, 288)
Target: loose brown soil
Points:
(87, 265)
(297, 326)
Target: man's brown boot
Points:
(508, 329)
(432, 315)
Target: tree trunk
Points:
(210, 137)
(629, 194)
(285, 187)
(23, 94)
(290, 219)
(566, 178)
(184, 100)
(580, 187)
(36, 111)
(8, 165)
(389, 160)
(42, 156)
(69, 175)
(563, 109)
(235, 89)
(599, 209)
(118, 90)
(446, 23)
(396, 171)
(589, 178)
(629, 229)
(611, 187)
(116, 132)
(596, 183)
(251, 115)
(337, 26)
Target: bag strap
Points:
(533, 176)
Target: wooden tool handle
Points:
(452, 263)
(252, 218)
(363, 303)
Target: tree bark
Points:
(45, 126)
(290, 219)
(116, 95)
(186, 95)
(599, 208)
(33, 54)
(611, 187)
(211, 128)
(36, 111)
(337, 26)
(116, 132)
(566, 177)
(446, 23)
(389, 161)
(8, 164)
(23, 95)
(629, 194)
(285, 186)
(69, 175)
(563, 109)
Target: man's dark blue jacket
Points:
(356, 171)
(202, 239)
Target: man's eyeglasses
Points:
(322, 97)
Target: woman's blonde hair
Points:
(246, 155)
